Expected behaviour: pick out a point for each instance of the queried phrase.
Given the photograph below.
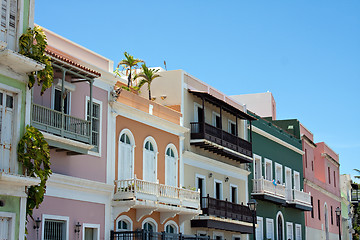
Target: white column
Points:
(22, 218)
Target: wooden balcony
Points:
(224, 215)
(220, 142)
(266, 190)
(62, 126)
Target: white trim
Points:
(257, 157)
(145, 118)
(124, 218)
(93, 226)
(260, 219)
(292, 230)
(87, 98)
(270, 178)
(22, 217)
(12, 216)
(171, 222)
(173, 147)
(229, 125)
(320, 189)
(296, 175)
(213, 165)
(151, 220)
(218, 234)
(221, 188)
(278, 165)
(271, 221)
(287, 169)
(54, 217)
(156, 152)
(204, 182)
(282, 223)
(237, 192)
(297, 226)
(196, 106)
(277, 140)
(236, 236)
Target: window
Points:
(91, 231)
(54, 229)
(96, 113)
(150, 160)
(312, 209)
(278, 173)
(331, 215)
(257, 167)
(198, 113)
(8, 23)
(268, 169)
(6, 130)
(218, 235)
(259, 229)
(312, 165)
(233, 193)
(289, 231)
(171, 171)
(334, 180)
(319, 212)
(298, 232)
(232, 127)
(7, 225)
(124, 223)
(126, 157)
(57, 101)
(216, 120)
(269, 228)
(329, 175)
(171, 227)
(297, 180)
(217, 189)
(200, 185)
(236, 237)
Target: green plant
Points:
(147, 75)
(128, 63)
(32, 44)
(34, 154)
(358, 172)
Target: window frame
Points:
(171, 222)
(221, 188)
(150, 220)
(278, 165)
(132, 144)
(271, 167)
(270, 220)
(93, 226)
(237, 193)
(229, 126)
(213, 121)
(156, 152)
(55, 217)
(196, 106)
(257, 157)
(12, 217)
(296, 227)
(260, 226)
(87, 98)
(124, 218)
(297, 184)
(218, 234)
(176, 156)
(292, 230)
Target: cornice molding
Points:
(331, 159)
(320, 189)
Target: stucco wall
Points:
(12, 205)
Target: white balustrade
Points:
(265, 186)
(145, 190)
(303, 197)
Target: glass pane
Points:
(9, 101)
(151, 147)
(1, 99)
(147, 145)
(122, 138)
(127, 139)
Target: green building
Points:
(15, 100)
(276, 182)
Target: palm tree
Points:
(128, 63)
(358, 171)
(147, 75)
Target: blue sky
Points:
(307, 53)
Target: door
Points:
(125, 161)
(257, 174)
(171, 169)
(198, 118)
(201, 187)
(150, 163)
(280, 228)
(4, 228)
(6, 130)
(288, 183)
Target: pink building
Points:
(80, 189)
(321, 179)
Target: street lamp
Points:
(37, 226)
(252, 205)
(338, 212)
(77, 229)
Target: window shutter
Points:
(4, 228)
(6, 120)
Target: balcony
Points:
(147, 235)
(267, 190)
(218, 141)
(355, 193)
(62, 125)
(298, 199)
(224, 215)
(147, 197)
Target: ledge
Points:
(17, 180)
(19, 63)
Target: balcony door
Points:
(125, 162)
(6, 129)
(8, 23)
(171, 167)
(57, 101)
(257, 168)
(288, 183)
(149, 169)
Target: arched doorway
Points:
(280, 226)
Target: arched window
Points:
(150, 224)
(171, 227)
(126, 158)
(150, 160)
(280, 226)
(171, 171)
(124, 223)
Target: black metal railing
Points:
(150, 235)
(220, 208)
(201, 130)
(355, 195)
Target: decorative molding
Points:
(277, 140)
(331, 159)
(320, 189)
(308, 140)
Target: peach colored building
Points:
(148, 195)
(74, 118)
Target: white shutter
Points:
(170, 171)
(298, 232)
(153, 166)
(289, 231)
(259, 229)
(6, 120)
(269, 229)
(4, 228)
(125, 162)
(9, 18)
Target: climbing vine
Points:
(32, 44)
(34, 154)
